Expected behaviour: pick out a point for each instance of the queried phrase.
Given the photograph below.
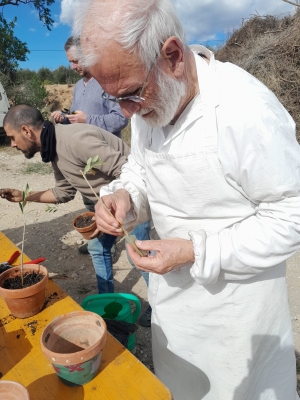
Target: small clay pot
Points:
(73, 343)
(10, 390)
(24, 303)
(87, 231)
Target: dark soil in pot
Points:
(83, 221)
(29, 279)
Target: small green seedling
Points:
(96, 162)
(51, 209)
(22, 205)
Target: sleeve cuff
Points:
(206, 268)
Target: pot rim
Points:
(23, 391)
(86, 228)
(25, 292)
(79, 356)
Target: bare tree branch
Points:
(290, 2)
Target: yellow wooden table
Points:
(122, 376)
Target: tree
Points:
(23, 75)
(45, 74)
(12, 49)
(31, 92)
(40, 5)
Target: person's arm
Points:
(260, 157)
(63, 191)
(15, 196)
(95, 144)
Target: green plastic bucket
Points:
(115, 306)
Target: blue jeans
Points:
(141, 232)
(100, 250)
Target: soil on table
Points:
(30, 279)
(83, 222)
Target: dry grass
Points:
(59, 97)
(37, 168)
(269, 48)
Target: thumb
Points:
(147, 245)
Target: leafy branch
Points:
(41, 6)
(96, 162)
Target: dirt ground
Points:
(51, 235)
(59, 96)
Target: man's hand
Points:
(119, 204)
(57, 116)
(170, 254)
(78, 117)
(13, 195)
(96, 232)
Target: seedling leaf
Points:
(51, 208)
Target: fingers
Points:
(169, 254)
(11, 194)
(57, 116)
(144, 263)
(121, 204)
(118, 204)
(148, 245)
(77, 117)
(96, 234)
(105, 222)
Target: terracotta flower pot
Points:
(26, 302)
(10, 390)
(73, 343)
(87, 230)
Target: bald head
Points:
(23, 114)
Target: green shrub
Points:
(31, 92)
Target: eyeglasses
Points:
(136, 98)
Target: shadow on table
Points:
(13, 348)
(49, 387)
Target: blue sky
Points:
(205, 21)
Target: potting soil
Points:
(82, 222)
(30, 278)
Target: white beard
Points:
(169, 96)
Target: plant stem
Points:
(107, 209)
(110, 213)
(22, 250)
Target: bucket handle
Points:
(115, 296)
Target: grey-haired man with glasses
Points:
(215, 162)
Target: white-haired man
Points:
(215, 160)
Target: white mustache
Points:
(143, 111)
